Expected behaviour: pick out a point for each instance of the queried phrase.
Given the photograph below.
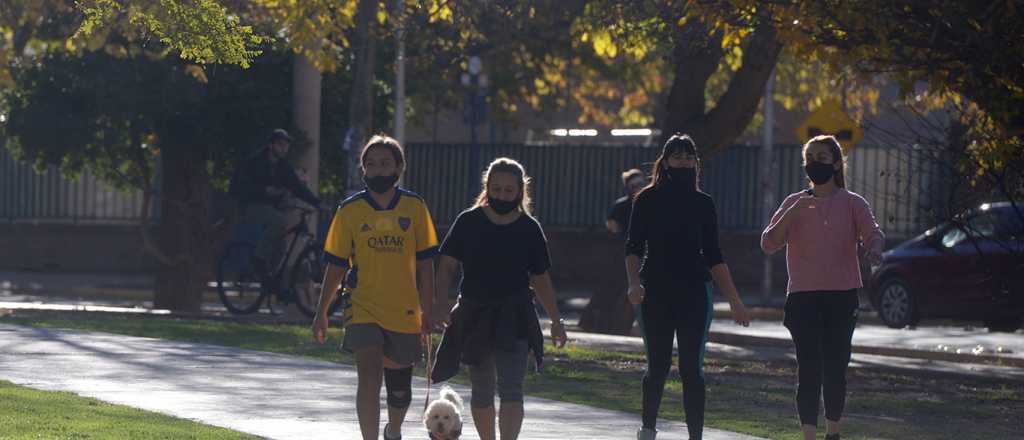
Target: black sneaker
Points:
(832, 437)
(384, 434)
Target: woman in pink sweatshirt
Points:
(821, 229)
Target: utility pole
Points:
(769, 175)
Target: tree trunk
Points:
(361, 105)
(598, 262)
(609, 310)
(185, 230)
(695, 59)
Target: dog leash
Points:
(430, 369)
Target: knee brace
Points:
(399, 387)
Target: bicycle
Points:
(242, 290)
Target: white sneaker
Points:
(645, 434)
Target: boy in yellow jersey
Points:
(384, 240)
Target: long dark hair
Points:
(511, 166)
(837, 155)
(677, 143)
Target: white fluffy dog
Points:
(443, 418)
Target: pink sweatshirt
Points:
(821, 242)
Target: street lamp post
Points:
(474, 111)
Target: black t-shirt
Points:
(497, 260)
(620, 213)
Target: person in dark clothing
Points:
(633, 181)
(504, 258)
(618, 215)
(261, 187)
(672, 254)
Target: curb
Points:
(740, 340)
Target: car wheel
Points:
(896, 304)
(1003, 325)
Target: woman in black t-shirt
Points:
(504, 258)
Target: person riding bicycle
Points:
(262, 185)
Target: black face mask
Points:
(380, 184)
(819, 173)
(502, 207)
(684, 178)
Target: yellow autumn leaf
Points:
(439, 11)
(604, 46)
(446, 13)
(600, 43)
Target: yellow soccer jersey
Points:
(381, 245)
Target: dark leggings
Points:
(684, 313)
(821, 323)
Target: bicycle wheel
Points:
(307, 279)
(238, 284)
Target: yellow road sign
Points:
(830, 119)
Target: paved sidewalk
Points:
(938, 348)
(928, 342)
(755, 345)
(266, 394)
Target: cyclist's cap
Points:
(280, 134)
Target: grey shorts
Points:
(402, 348)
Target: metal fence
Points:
(908, 189)
(573, 186)
(49, 197)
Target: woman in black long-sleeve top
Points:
(672, 254)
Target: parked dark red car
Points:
(969, 268)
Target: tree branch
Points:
(695, 58)
(737, 106)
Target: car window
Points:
(953, 237)
(978, 226)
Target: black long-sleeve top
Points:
(674, 231)
(257, 173)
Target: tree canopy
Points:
(196, 68)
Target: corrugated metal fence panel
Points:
(907, 188)
(573, 186)
(49, 197)
(731, 178)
